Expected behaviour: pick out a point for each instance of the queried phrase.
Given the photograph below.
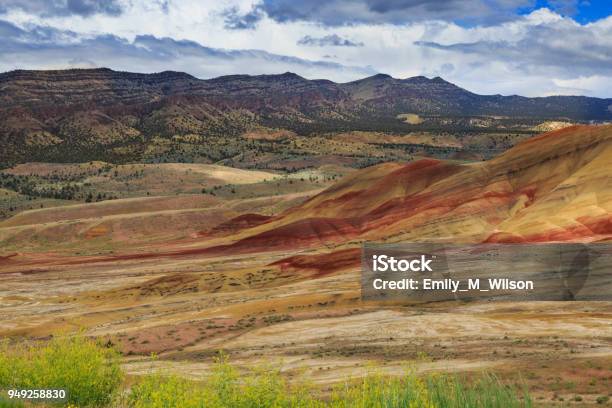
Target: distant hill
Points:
(100, 114)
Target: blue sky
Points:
(583, 12)
(526, 47)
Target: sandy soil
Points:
(187, 308)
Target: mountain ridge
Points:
(101, 114)
(170, 74)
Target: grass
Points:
(89, 372)
(266, 388)
(92, 376)
(225, 387)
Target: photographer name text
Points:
(423, 265)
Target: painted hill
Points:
(100, 114)
(554, 187)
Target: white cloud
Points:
(146, 53)
(539, 54)
(583, 84)
(534, 55)
(337, 13)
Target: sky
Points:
(524, 47)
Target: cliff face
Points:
(76, 115)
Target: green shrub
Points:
(155, 391)
(91, 375)
(89, 372)
(266, 388)
(444, 391)
(602, 399)
(225, 388)
(376, 390)
(6, 403)
(487, 391)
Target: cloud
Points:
(544, 42)
(540, 53)
(81, 63)
(333, 40)
(350, 12)
(583, 84)
(236, 21)
(48, 8)
(33, 49)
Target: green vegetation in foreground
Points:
(227, 389)
(91, 374)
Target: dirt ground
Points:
(186, 308)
